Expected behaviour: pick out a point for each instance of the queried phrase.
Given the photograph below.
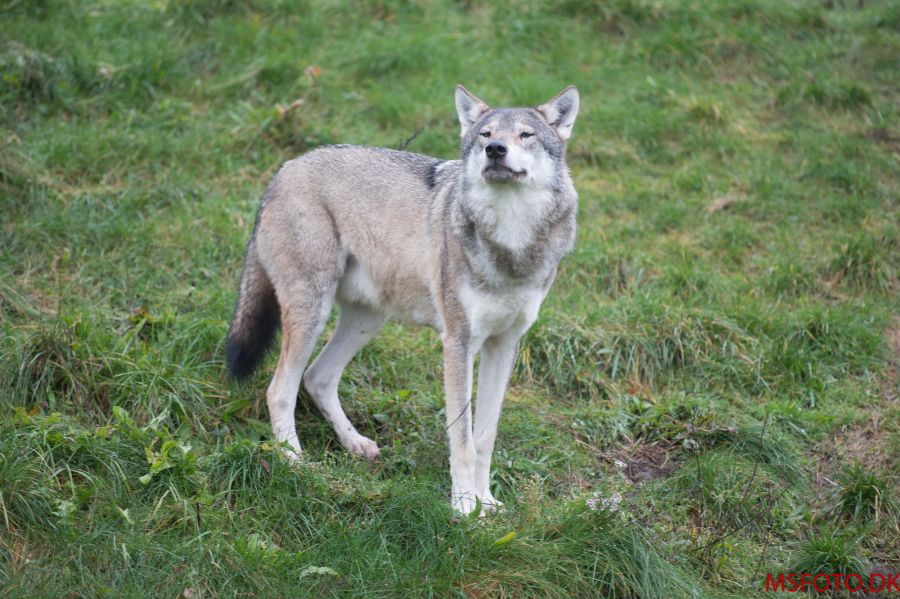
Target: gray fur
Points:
(469, 247)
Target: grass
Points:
(865, 496)
(829, 552)
(717, 340)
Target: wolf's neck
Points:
(508, 215)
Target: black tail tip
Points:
(240, 362)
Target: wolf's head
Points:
(515, 146)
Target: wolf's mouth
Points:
(502, 174)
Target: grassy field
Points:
(721, 349)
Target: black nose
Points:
(495, 149)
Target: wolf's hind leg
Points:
(304, 313)
(356, 326)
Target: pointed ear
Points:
(469, 108)
(561, 110)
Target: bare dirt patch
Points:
(647, 462)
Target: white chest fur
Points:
(510, 310)
(511, 214)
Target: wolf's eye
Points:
(485, 134)
(526, 135)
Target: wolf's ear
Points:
(469, 108)
(561, 110)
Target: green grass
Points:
(865, 496)
(722, 323)
(829, 552)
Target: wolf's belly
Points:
(401, 295)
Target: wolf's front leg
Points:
(498, 354)
(458, 360)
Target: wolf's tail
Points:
(256, 319)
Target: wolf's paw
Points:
(489, 504)
(294, 455)
(360, 445)
(465, 503)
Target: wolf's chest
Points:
(493, 312)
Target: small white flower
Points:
(614, 501)
(610, 504)
(620, 464)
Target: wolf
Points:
(469, 247)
